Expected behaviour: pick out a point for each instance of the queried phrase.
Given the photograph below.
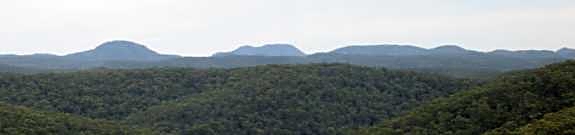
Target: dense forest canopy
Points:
(106, 94)
(558, 123)
(502, 106)
(286, 99)
(273, 99)
(287, 67)
(15, 120)
(301, 99)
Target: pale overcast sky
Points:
(203, 27)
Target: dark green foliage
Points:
(107, 94)
(302, 99)
(471, 73)
(499, 107)
(559, 123)
(273, 99)
(22, 121)
(288, 99)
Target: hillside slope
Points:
(273, 99)
(558, 123)
(120, 51)
(499, 107)
(104, 94)
(298, 99)
(19, 120)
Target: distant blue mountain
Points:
(126, 54)
(31, 55)
(120, 51)
(400, 50)
(266, 50)
(387, 50)
(448, 50)
(527, 54)
(567, 52)
(451, 50)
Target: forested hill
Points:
(105, 94)
(4, 68)
(558, 123)
(23, 121)
(515, 103)
(273, 99)
(286, 99)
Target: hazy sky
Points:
(203, 27)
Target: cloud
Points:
(202, 27)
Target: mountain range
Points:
(400, 50)
(120, 51)
(408, 50)
(258, 90)
(310, 99)
(448, 59)
(266, 50)
(130, 51)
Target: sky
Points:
(204, 27)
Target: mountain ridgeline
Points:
(400, 50)
(122, 87)
(566, 52)
(266, 50)
(120, 51)
(160, 94)
(447, 60)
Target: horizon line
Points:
(293, 45)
